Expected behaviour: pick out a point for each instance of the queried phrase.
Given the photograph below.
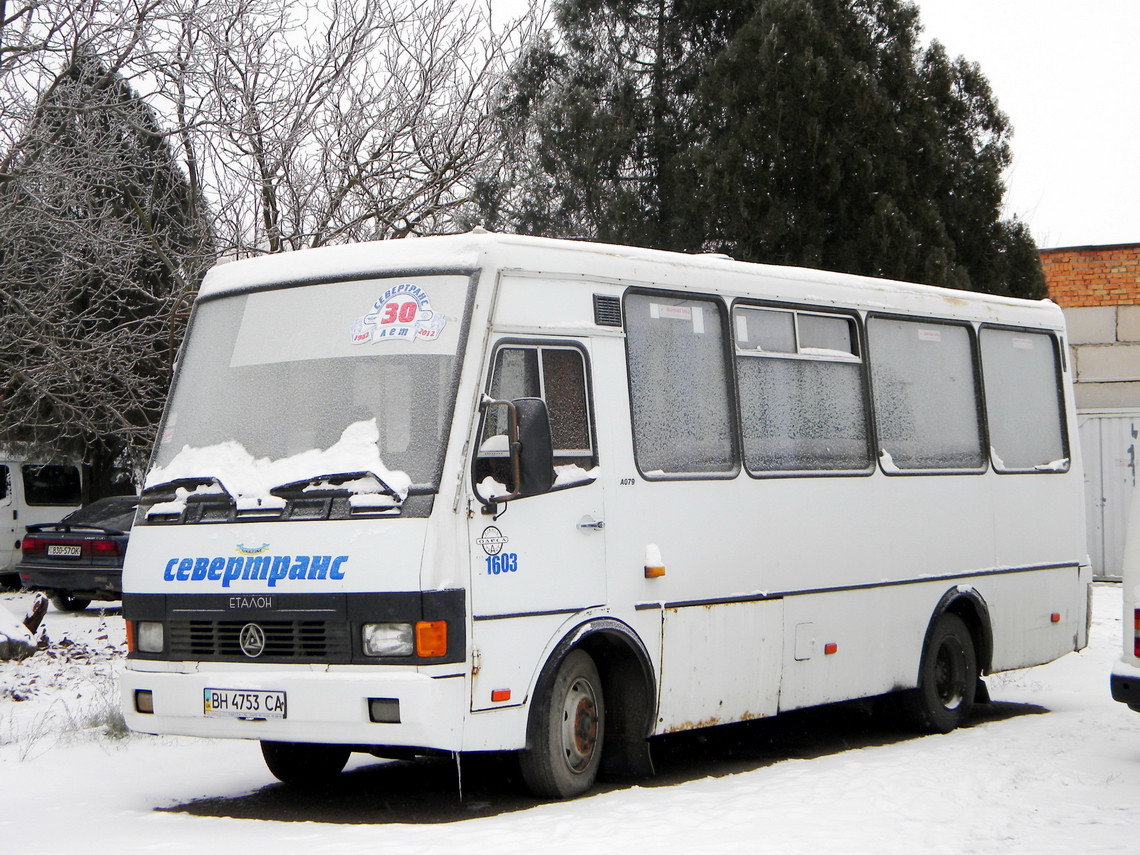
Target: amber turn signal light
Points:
(431, 638)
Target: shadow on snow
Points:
(440, 790)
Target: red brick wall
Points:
(1093, 275)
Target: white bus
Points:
(499, 493)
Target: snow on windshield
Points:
(249, 477)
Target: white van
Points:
(31, 493)
(499, 493)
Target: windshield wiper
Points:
(168, 491)
(329, 486)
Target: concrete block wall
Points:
(1099, 290)
(1104, 343)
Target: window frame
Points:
(1063, 421)
(858, 357)
(971, 328)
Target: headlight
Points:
(389, 639)
(149, 636)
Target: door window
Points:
(558, 375)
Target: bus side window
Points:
(4, 482)
(803, 402)
(926, 395)
(1023, 401)
(557, 374)
(680, 386)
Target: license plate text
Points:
(243, 703)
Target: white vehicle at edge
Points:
(498, 493)
(1124, 681)
(31, 493)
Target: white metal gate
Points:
(1108, 446)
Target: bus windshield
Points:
(277, 386)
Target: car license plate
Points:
(243, 703)
(63, 550)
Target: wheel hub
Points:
(580, 725)
(950, 675)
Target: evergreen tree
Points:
(806, 132)
(100, 236)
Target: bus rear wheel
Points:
(304, 764)
(567, 732)
(947, 679)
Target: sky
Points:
(1065, 72)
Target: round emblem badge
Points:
(252, 640)
(492, 540)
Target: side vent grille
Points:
(607, 311)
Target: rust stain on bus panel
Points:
(712, 722)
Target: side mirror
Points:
(536, 448)
(527, 449)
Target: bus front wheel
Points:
(947, 679)
(304, 764)
(567, 731)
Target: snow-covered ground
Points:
(1052, 767)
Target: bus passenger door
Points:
(539, 559)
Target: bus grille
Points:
(285, 640)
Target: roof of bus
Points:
(628, 265)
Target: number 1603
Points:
(504, 562)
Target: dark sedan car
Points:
(79, 558)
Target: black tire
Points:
(65, 602)
(947, 679)
(567, 730)
(304, 764)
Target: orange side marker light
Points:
(654, 566)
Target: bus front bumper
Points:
(326, 706)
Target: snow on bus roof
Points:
(632, 265)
